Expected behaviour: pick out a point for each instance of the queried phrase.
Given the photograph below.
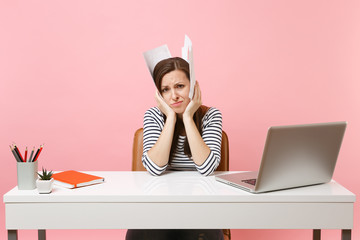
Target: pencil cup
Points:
(27, 175)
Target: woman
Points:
(179, 134)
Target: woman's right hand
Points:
(162, 105)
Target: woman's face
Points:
(175, 87)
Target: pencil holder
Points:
(27, 175)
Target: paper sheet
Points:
(153, 56)
(187, 54)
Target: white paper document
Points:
(187, 54)
(154, 56)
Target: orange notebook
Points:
(74, 179)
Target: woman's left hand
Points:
(195, 103)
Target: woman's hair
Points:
(168, 65)
(163, 67)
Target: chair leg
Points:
(346, 234)
(12, 234)
(316, 234)
(42, 234)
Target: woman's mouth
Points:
(177, 104)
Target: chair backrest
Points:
(138, 151)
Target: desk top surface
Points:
(182, 186)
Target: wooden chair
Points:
(138, 166)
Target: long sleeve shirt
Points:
(211, 134)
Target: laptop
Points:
(293, 156)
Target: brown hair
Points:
(163, 67)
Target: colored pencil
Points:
(25, 158)
(36, 157)
(37, 152)
(18, 153)
(14, 153)
(32, 153)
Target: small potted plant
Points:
(45, 181)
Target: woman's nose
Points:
(174, 94)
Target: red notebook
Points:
(74, 179)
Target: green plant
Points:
(45, 174)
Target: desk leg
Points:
(316, 234)
(12, 234)
(346, 234)
(42, 234)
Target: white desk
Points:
(130, 200)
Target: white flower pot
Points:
(44, 186)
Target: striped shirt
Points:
(211, 134)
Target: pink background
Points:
(72, 76)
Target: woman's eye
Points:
(180, 86)
(164, 90)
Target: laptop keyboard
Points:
(250, 181)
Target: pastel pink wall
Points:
(72, 76)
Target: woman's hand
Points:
(194, 104)
(162, 105)
(199, 150)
